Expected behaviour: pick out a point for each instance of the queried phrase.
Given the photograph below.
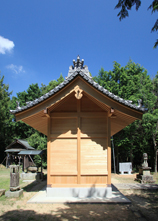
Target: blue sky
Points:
(39, 39)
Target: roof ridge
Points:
(88, 78)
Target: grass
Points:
(27, 187)
(4, 178)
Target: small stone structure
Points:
(32, 176)
(2, 192)
(144, 175)
(15, 190)
(125, 167)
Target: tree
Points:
(155, 119)
(5, 118)
(39, 142)
(131, 83)
(126, 5)
(23, 131)
(51, 85)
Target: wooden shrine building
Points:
(79, 117)
(20, 152)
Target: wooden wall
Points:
(78, 144)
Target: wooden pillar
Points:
(23, 163)
(7, 161)
(19, 160)
(109, 150)
(78, 143)
(41, 164)
(48, 149)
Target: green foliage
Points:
(21, 130)
(126, 5)
(5, 118)
(39, 142)
(132, 83)
(51, 85)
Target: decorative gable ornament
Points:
(78, 67)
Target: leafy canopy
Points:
(126, 5)
(133, 83)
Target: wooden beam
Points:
(48, 149)
(79, 142)
(46, 112)
(109, 150)
(112, 113)
(77, 114)
(104, 99)
(88, 89)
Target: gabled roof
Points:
(78, 70)
(21, 143)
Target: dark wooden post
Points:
(41, 163)
(7, 161)
(23, 164)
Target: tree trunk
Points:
(155, 147)
(131, 153)
(155, 160)
(117, 161)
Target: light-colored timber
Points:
(109, 151)
(79, 121)
(35, 117)
(48, 148)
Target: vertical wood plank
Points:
(48, 149)
(79, 143)
(109, 150)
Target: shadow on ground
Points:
(144, 206)
(36, 186)
(72, 212)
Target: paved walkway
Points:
(117, 196)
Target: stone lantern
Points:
(15, 190)
(144, 175)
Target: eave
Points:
(126, 114)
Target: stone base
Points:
(144, 171)
(14, 188)
(145, 178)
(79, 192)
(14, 194)
(2, 192)
(32, 169)
(126, 172)
(31, 176)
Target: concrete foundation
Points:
(14, 194)
(79, 192)
(116, 197)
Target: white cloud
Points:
(16, 69)
(5, 45)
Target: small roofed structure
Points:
(19, 152)
(79, 117)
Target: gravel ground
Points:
(144, 206)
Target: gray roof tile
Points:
(84, 74)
